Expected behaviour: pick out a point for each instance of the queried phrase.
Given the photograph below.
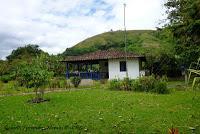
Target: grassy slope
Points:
(103, 111)
(139, 41)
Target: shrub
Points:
(161, 87)
(53, 83)
(164, 78)
(75, 81)
(6, 78)
(34, 76)
(63, 83)
(151, 84)
(59, 82)
(196, 85)
(126, 84)
(1, 85)
(144, 84)
(115, 84)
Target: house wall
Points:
(132, 67)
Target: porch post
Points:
(86, 66)
(78, 66)
(67, 70)
(79, 74)
(91, 70)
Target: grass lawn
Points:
(101, 111)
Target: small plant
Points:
(126, 84)
(34, 76)
(144, 84)
(63, 83)
(161, 88)
(151, 84)
(1, 85)
(115, 84)
(75, 81)
(6, 78)
(173, 131)
(54, 83)
(196, 84)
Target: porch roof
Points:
(102, 55)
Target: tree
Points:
(184, 22)
(26, 53)
(35, 76)
(3, 67)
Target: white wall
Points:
(132, 67)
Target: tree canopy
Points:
(27, 52)
(184, 22)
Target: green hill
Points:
(138, 41)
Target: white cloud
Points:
(58, 24)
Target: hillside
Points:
(138, 41)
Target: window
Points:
(122, 66)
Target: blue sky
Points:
(58, 24)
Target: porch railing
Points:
(89, 75)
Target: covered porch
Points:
(93, 69)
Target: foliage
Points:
(55, 65)
(184, 23)
(1, 84)
(102, 111)
(59, 83)
(138, 41)
(3, 67)
(12, 87)
(6, 78)
(142, 84)
(115, 84)
(151, 84)
(35, 75)
(161, 88)
(126, 84)
(196, 85)
(75, 81)
(27, 55)
(26, 52)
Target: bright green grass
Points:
(102, 111)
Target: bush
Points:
(63, 83)
(196, 86)
(75, 81)
(54, 83)
(151, 84)
(161, 88)
(1, 85)
(125, 84)
(6, 78)
(115, 84)
(144, 84)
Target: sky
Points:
(59, 24)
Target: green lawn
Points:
(101, 111)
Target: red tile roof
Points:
(102, 55)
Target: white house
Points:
(108, 64)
